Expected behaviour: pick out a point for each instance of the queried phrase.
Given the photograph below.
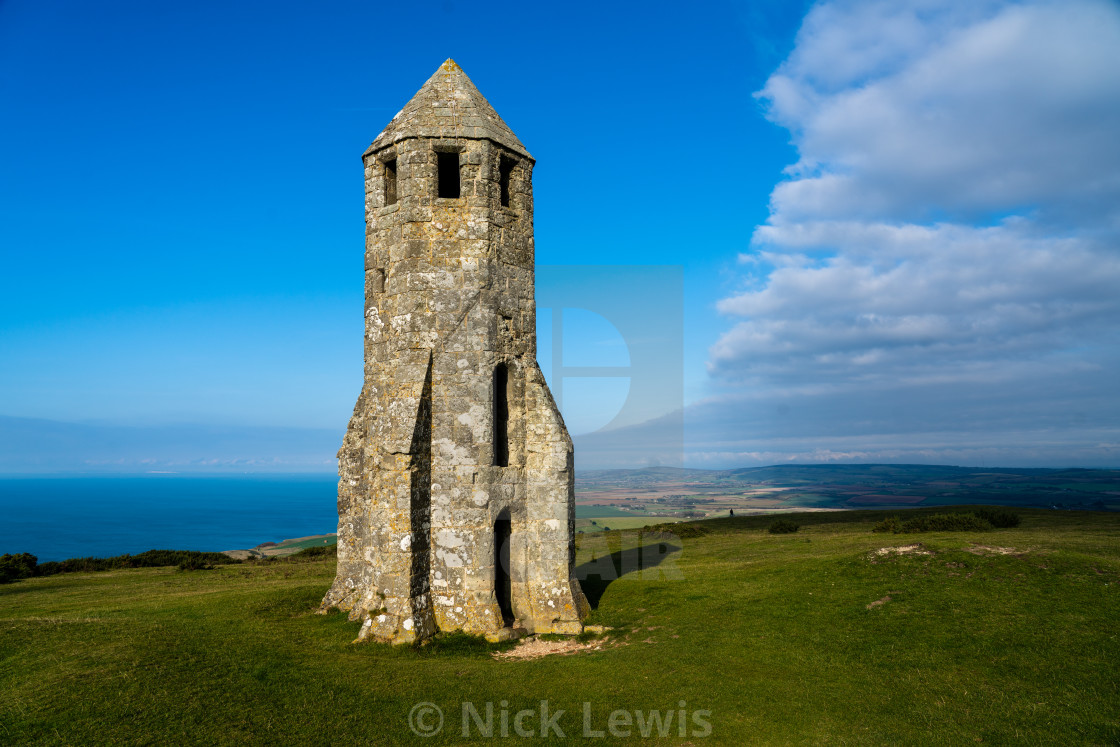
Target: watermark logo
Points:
(487, 722)
(425, 719)
(610, 342)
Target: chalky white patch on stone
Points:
(450, 559)
(449, 538)
(453, 453)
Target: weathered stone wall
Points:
(449, 298)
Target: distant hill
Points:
(861, 486)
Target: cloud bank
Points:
(37, 446)
(939, 276)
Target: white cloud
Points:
(916, 293)
(953, 219)
(1016, 107)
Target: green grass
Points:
(621, 522)
(770, 633)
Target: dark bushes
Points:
(13, 567)
(946, 523)
(1000, 518)
(186, 559)
(25, 565)
(783, 526)
(889, 524)
(306, 555)
(979, 520)
(316, 552)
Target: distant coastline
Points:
(58, 517)
(284, 547)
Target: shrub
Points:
(946, 523)
(148, 559)
(889, 524)
(784, 526)
(306, 555)
(317, 552)
(13, 567)
(978, 520)
(1000, 518)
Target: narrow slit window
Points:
(502, 587)
(501, 416)
(505, 170)
(448, 176)
(391, 182)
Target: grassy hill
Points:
(1001, 636)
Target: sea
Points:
(55, 518)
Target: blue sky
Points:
(896, 222)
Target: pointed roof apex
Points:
(448, 105)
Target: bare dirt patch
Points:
(992, 550)
(878, 603)
(535, 648)
(915, 549)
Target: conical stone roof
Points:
(448, 105)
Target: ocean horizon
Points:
(56, 517)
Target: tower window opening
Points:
(502, 591)
(447, 177)
(501, 416)
(505, 170)
(390, 181)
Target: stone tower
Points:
(455, 492)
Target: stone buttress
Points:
(455, 494)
